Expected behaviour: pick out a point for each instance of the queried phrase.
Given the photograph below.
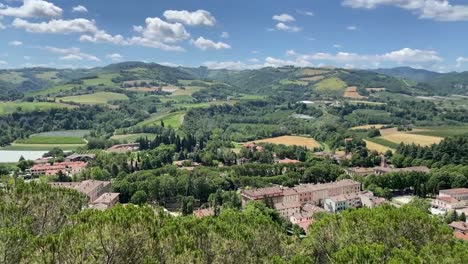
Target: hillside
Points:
(408, 73)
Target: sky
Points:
(429, 34)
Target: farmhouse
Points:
(353, 200)
(451, 199)
(67, 167)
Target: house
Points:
(342, 202)
(460, 230)
(451, 199)
(287, 209)
(81, 157)
(204, 212)
(253, 147)
(306, 217)
(303, 193)
(288, 161)
(67, 167)
(457, 193)
(97, 192)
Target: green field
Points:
(133, 137)
(11, 107)
(63, 133)
(383, 142)
(442, 131)
(13, 77)
(330, 84)
(32, 147)
(293, 82)
(189, 90)
(95, 98)
(50, 140)
(170, 119)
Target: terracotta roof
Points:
(459, 225)
(262, 192)
(460, 235)
(282, 206)
(447, 199)
(203, 212)
(286, 160)
(312, 208)
(455, 191)
(305, 224)
(106, 198)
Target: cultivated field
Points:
(33, 147)
(95, 98)
(63, 133)
(133, 137)
(293, 82)
(313, 78)
(378, 126)
(352, 92)
(50, 140)
(377, 147)
(312, 72)
(170, 119)
(11, 107)
(189, 90)
(441, 131)
(408, 138)
(330, 85)
(290, 141)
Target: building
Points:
(361, 171)
(97, 192)
(306, 217)
(353, 200)
(460, 230)
(451, 199)
(81, 157)
(204, 212)
(304, 193)
(68, 168)
(288, 209)
(287, 161)
(105, 201)
(124, 147)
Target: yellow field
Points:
(378, 126)
(291, 141)
(377, 147)
(407, 138)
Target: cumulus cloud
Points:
(15, 43)
(284, 18)
(282, 26)
(57, 26)
(101, 36)
(32, 9)
(114, 56)
(461, 60)
(71, 54)
(207, 44)
(196, 18)
(79, 9)
(230, 65)
(441, 10)
(352, 28)
(224, 35)
(157, 29)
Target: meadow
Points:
(173, 120)
(291, 141)
(11, 107)
(408, 138)
(94, 98)
(375, 144)
(50, 140)
(133, 137)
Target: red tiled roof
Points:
(459, 225)
(460, 235)
(286, 160)
(455, 191)
(447, 199)
(203, 212)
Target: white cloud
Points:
(224, 35)
(71, 54)
(441, 10)
(352, 28)
(32, 9)
(461, 60)
(284, 27)
(145, 42)
(101, 36)
(337, 46)
(305, 12)
(159, 30)
(114, 56)
(15, 43)
(57, 26)
(284, 18)
(3, 62)
(80, 9)
(230, 65)
(196, 18)
(207, 44)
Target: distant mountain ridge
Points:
(408, 73)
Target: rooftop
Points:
(203, 212)
(447, 199)
(106, 198)
(459, 225)
(455, 191)
(283, 206)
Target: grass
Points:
(11, 107)
(95, 98)
(50, 140)
(312, 72)
(378, 126)
(45, 147)
(291, 141)
(133, 137)
(12, 77)
(365, 102)
(170, 119)
(63, 133)
(441, 131)
(189, 90)
(48, 75)
(377, 147)
(293, 82)
(383, 142)
(330, 85)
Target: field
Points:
(10, 107)
(170, 119)
(408, 138)
(378, 126)
(332, 84)
(189, 90)
(63, 133)
(377, 147)
(293, 82)
(50, 140)
(441, 131)
(352, 92)
(95, 98)
(133, 137)
(290, 141)
(103, 80)
(33, 147)
(13, 77)
(365, 102)
(313, 79)
(312, 72)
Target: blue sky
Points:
(239, 34)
